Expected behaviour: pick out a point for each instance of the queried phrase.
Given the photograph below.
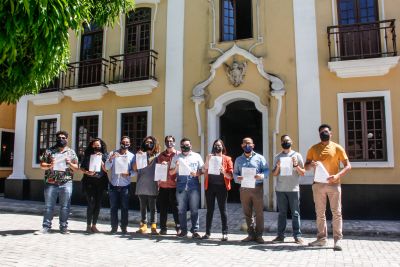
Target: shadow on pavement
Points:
(16, 232)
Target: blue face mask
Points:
(248, 149)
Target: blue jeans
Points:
(119, 197)
(286, 200)
(191, 198)
(51, 192)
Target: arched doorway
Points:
(240, 119)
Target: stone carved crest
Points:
(236, 72)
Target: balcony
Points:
(133, 73)
(362, 50)
(51, 94)
(85, 80)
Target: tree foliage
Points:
(34, 45)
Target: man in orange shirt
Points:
(330, 155)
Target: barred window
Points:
(365, 129)
(137, 32)
(87, 128)
(236, 20)
(134, 125)
(92, 42)
(46, 136)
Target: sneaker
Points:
(278, 239)
(64, 231)
(94, 229)
(124, 231)
(337, 246)
(318, 243)
(259, 240)
(182, 234)
(163, 232)
(43, 231)
(206, 236)
(224, 237)
(196, 235)
(299, 241)
(88, 229)
(248, 239)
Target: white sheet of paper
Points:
(59, 162)
(248, 177)
(141, 160)
(214, 165)
(121, 164)
(161, 172)
(95, 163)
(286, 168)
(184, 168)
(321, 174)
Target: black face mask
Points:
(123, 147)
(97, 149)
(286, 145)
(61, 142)
(325, 136)
(148, 146)
(185, 148)
(218, 149)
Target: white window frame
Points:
(147, 109)
(9, 131)
(35, 133)
(76, 115)
(389, 163)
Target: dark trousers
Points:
(252, 202)
(119, 197)
(150, 202)
(220, 193)
(288, 200)
(94, 194)
(167, 199)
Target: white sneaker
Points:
(337, 246)
(322, 242)
(42, 231)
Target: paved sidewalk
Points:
(235, 219)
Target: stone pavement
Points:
(19, 247)
(235, 219)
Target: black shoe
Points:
(278, 239)
(248, 239)
(206, 236)
(259, 240)
(65, 231)
(196, 235)
(163, 232)
(182, 235)
(113, 231)
(224, 237)
(124, 231)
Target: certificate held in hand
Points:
(249, 180)
(121, 164)
(161, 172)
(214, 165)
(286, 167)
(95, 163)
(60, 163)
(321, 174)
(141, 160)
(184, 168)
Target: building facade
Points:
(7, 122)
(229, 69)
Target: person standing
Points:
(217, 187)
(59, 163)
(330, 155)
(120, 183)
(94, 183)
(252, 198)
(187, 186)
(287, 189)
(167, 191)
(146, 187)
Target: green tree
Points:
(34, 45)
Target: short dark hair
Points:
(167, 137)
(284, 135)
(125, 137)
(62, 132)
(324, 125)
(184, 139)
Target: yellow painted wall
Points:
(7, 121)
(331, 85)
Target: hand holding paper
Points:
(60, 163)
(215, 165)
(286, 166)
(95, 163)
(141, 160)
(184, 168)
(121, 164)
(249, 180)
(161, 172)
(321, 174)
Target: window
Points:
(236, 20)
(87, 128)
(92, 42)
(46, 136)
(137, 31)
(365, 128)
(6, 148)
(134, 125)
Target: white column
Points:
(174, 69)
(308, 87)
(20, 139)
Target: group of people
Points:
(179, 188)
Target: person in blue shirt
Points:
(252, 198)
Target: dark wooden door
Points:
(359, 29)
